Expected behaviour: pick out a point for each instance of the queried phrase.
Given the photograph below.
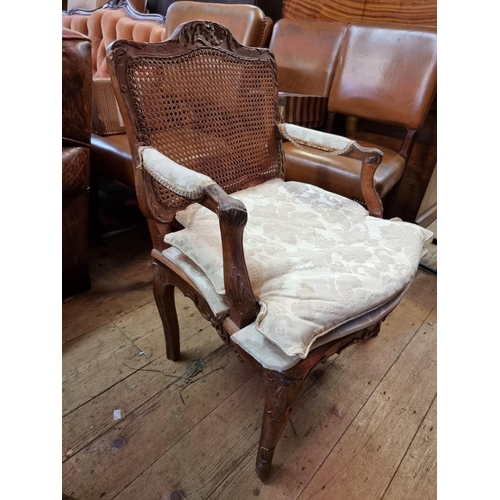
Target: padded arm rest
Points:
(334, 144)
(330, 144)
(180, 180)
(232, 216)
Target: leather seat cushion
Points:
(339, 174)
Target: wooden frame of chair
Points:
(281, 388)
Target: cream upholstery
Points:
(303, 136)
(180, 180)
(249, 338)
(272, 357)
(360, 262)
(217, 302)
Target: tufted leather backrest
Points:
(247, 23)
(105, 25)
(386, 73)
(76, 22)
(306, 52)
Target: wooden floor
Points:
(136, 427)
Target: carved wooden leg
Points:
(164, 298)
(281, 396)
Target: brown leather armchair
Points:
(76, 130)
(385, 74)
(247, 23)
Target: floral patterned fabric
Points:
(316, 260)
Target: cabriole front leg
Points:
(281, 396)
(165, 301)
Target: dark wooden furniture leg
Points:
(164, 297)
(283, 388)
(281, 395)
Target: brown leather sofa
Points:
(76, 130)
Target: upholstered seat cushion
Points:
(269, 355)
(316, 260)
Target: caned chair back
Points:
(205, 101)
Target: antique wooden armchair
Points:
(312, 273)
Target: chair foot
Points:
(264, 462)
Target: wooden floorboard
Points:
(364, 426)
(416, 478)
(363, 462)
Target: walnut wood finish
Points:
(189, 134)
(282, 391)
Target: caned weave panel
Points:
(210, 111)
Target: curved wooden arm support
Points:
(232, 219)
(232, 216)
(371, 159)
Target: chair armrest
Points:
(232, 216)
(336, 145)
(178, 179)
